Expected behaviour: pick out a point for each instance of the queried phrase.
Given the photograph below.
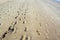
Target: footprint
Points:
(25, 29)
(0, 38)
(3, 36)
(38, 32)
(23, 22)
(28, 38)
(10, 29)
(14, 23)
(0, 23)
(24, 14)
(18, 12)
(25, 37)
(21, 37)
(20, 19)
(24, 17)
(40, 24)
(16, 17)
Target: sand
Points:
(29, 20)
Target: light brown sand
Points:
(29, 20)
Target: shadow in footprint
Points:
(0, 23)
(25, 29)
(20, 19)
(37, 32)
(21, 37)
(16, 17)
(14, 23)
(3, 36)
(23, 22)
(40, 24)
(26, 38)
(11, 29)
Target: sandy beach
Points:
(29, 20)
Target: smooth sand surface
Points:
(29, 20)
(3, 1)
